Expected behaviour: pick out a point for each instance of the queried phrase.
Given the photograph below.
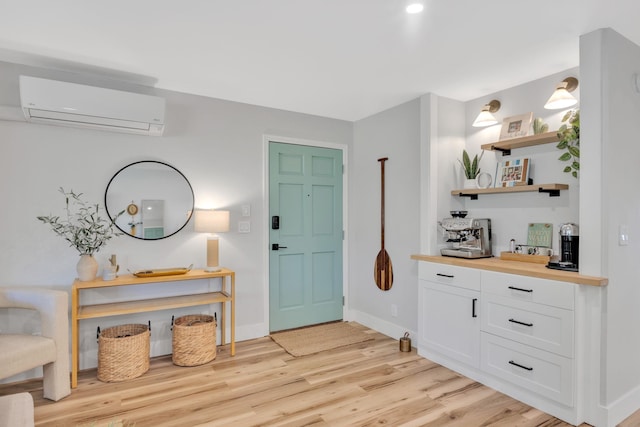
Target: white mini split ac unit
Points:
(69, 104)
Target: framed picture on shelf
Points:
(539, 234)
(516, 126)
(512, 172)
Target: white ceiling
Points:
(344, 59)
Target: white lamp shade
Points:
(210, 221)
(561, 98)
(485, 118)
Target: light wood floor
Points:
(366, 384)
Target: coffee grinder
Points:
(569, 244)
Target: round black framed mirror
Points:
(157, 200)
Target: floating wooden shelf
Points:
(552, 189)
(506, 146)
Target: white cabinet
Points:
(538, 371)
(532, 311)
(514, 333)
(523, 288)
(460, 277)
(528, 333)
(449, 313)
(449, 322)
(541, 326)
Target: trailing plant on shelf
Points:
(471, 167)
(569, 137)
(82, 226)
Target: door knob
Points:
(275, 247)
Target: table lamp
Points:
(211, 221)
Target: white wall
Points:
(218, 145)
(442, 140)
(510, 213)
(394, 133)
(445, 146)
(428, 136)
(611, 148)
(449, 131)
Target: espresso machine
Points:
(467, 237)
(569, 244)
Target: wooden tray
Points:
(538, 259)
(162, 272)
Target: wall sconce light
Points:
(210, 221)
(485, 118)
(561, 98)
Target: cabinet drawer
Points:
(462, 277)
(535, 370)
(542, 291)
(541, 326)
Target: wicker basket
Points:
(123, 352)
(194, 340)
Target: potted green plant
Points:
(569, 137)
(539, 126)
(471, 168)
(84, 229)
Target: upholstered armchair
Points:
(16, 410)
(50, 349)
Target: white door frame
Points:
(266, 138)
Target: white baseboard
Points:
(249, 332)
(390, 329)
(618, 411)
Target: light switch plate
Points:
(246, 210)
(244, 226)
(623, 235)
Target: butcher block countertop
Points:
(516, 267)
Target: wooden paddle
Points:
(383, 271)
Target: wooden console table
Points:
(79, 312)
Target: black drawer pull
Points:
(511, 362)
(520, 289)
(520, 323)
(444, 275)
(473, 307)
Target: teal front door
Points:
(305, 238)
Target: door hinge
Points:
(342, 234)
(343, 169)
(343, 300)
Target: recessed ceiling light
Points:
(415, 8)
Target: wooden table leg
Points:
(223, 314)
(74, 337)
(233, 314)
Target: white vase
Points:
(87, 268)
(484, 180)
(470, 183)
